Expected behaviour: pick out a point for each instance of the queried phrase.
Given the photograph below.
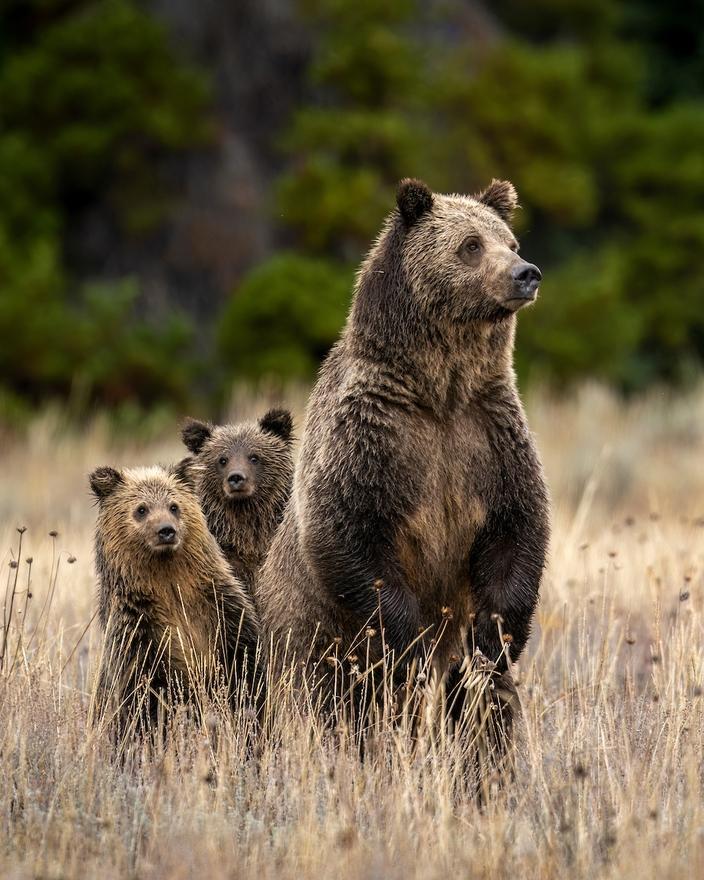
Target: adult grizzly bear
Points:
(419, 497)
(174, 616)
(243, 476)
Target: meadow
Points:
(609, 778)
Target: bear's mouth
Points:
(166, 548)
(515, 303)
(238, 493)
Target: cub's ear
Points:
(104, 481)
(413, 199)
(195, 433)
(183, 471)
(501, 197)
(278, 422)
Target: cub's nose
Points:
(526, 278)
(237, 480)
(166, 534)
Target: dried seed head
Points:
(21, 529)
(684, 595)
(497, 618)
(337, 640)
(472, 616)
(29, 595)
(330, 660)
(447, 612)
(454, 658)
(580, 771)
(508, 638)
(370, 632)
(353, 658)
(630, 640)
(378, 584)
(71, 560)
(29, 560)
(13, 563)
(53, 534)
(421, 677)
(613, 553)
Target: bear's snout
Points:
(526, 279)
(166, 534)
(239, 484)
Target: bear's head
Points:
(146, 511)
(236, 463)
(460, 256)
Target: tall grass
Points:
(609, 777)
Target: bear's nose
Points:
(166, 534)
(237, 479)
(526, 278)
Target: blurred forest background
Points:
(187, 188)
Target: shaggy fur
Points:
(172, 612)
(418, 501)
(259, 455)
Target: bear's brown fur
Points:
(243, 476)
(173, 614)
(418, 501)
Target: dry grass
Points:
(610, 779)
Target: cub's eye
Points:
(254, 459)
(222, 461)
(173, 507)
(514, 246)
(472, 245)
(142, 510)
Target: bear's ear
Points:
(195, 433)
(104, 481)
(183, 472)
(501, 197)
(413, 199)
(278, 422)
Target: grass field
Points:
(610, 778)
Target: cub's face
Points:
(237, 462)
(461, 255)
(148, 510)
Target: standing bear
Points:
(243, 476)
(175, 618)
(418, 502)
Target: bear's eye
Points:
(222, 461)
(254, 459)
(142, 510)
(173, 507)
(514, 246)
(472, 245)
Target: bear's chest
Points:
(446, 508)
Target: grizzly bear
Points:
(419, 503)
(174, 616)
(243, 475)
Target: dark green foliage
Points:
(284, 317)
(593, 108)
(92, 102)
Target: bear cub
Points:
(174, 616)
(243, 475)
